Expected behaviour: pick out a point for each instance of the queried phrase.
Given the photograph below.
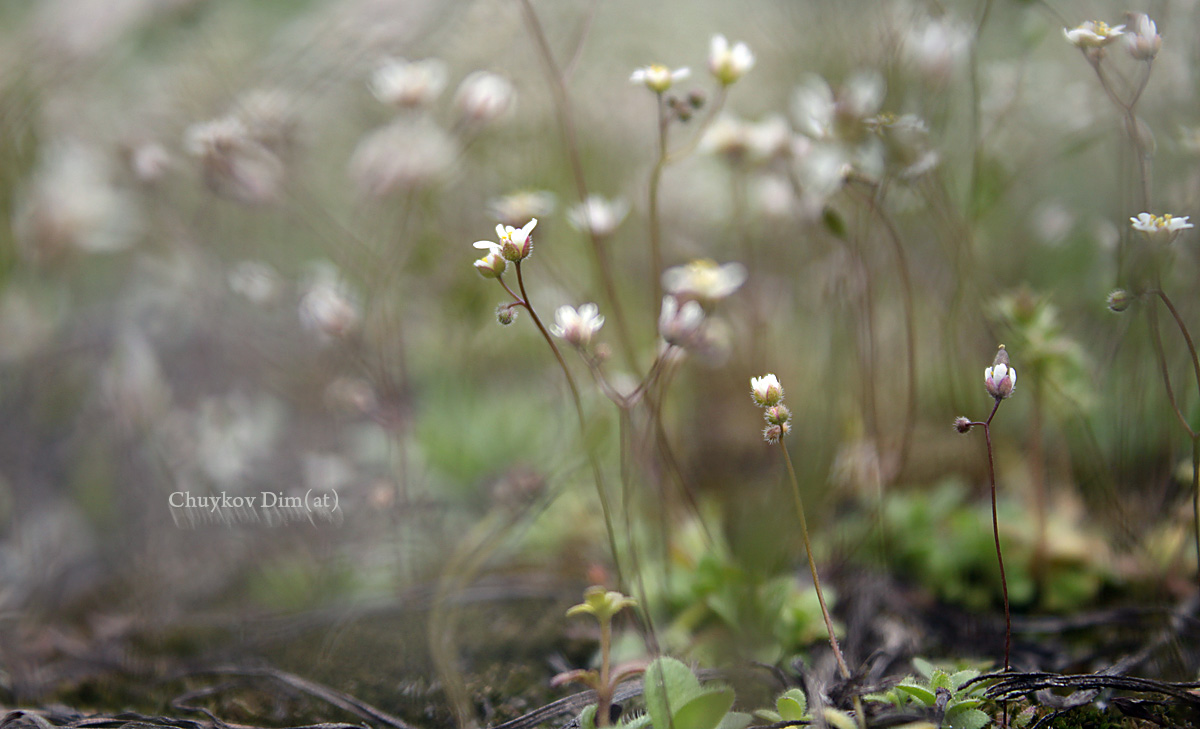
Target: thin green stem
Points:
(593, 460)
(812, 564)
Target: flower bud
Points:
(777, 414)
(1119, 301)
(506, 314)
(962, 425)
(1000, 379)
(773, 433)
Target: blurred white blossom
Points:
(704, 280)
(72, 203)
(1160, 228)
(403, 155)
(1093, 34)
(658, 78)
(598, 215)
(1143, 42)
(233, 164)
(327, 305)
(484, 97)
(937, 47)
(258, 282)
(577, 326)
(518, 207)
(728, 64)
(680, 326)
(406, 84)
(133, 384)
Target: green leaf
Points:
(792, 705)
(958, 679)
(924, 667)
(704, 711)
(920, 693)
(587, 717)
(966, 719)
(668, 684)
(939, 680)
(834, 222)
(735, 720)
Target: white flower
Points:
(401, 83)
(1000, 380)
(704, 279)
(766, 390)
(1093, 34)
(728, 64)
(1144, 42)
(658, 78)
(515, 244)
(1160, 228)
(598, 215)
(813, 107)
(680, 326)
(483, 97)
(519, 206)
(492, 264)
(577, 326)
(403, 155)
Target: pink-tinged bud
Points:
(778, 415)
(962, 425)
(506, 314)
(773, 433)
(766, 390)
(1000, 379)
(1119, 301)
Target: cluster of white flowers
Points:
(727, 63)
(768, 395)
(1142, 41)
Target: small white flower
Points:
(766, 390)
(515, 244)
(598, 215)
(1144, 42)
(680, 326)
(577, 326)
(658, 78)
(1093, 34)
(1160, 228)
(937, 47)
(400, 83)
(404, 155)
(492, 264)
(514, 208)
(704, 279)
(1000, 380)
(234, 164)
(483, 97)
(728, 64)
(256, 281)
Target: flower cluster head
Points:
(768, 395)
(577, 326)
(728, 64)
(1160, 228)
(1093, 34)
(1143, 42)
(1001, 378)
(658, 78)
(704, 280)
(515, 244)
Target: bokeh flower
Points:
(1093, 34)
(406, 84)
(1144, 42)
(704, 280)
(577, 326)
(598, 215)
(728, 64)
(658, 78)
(679, 325)
(484, 97)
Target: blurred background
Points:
(236, 260)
